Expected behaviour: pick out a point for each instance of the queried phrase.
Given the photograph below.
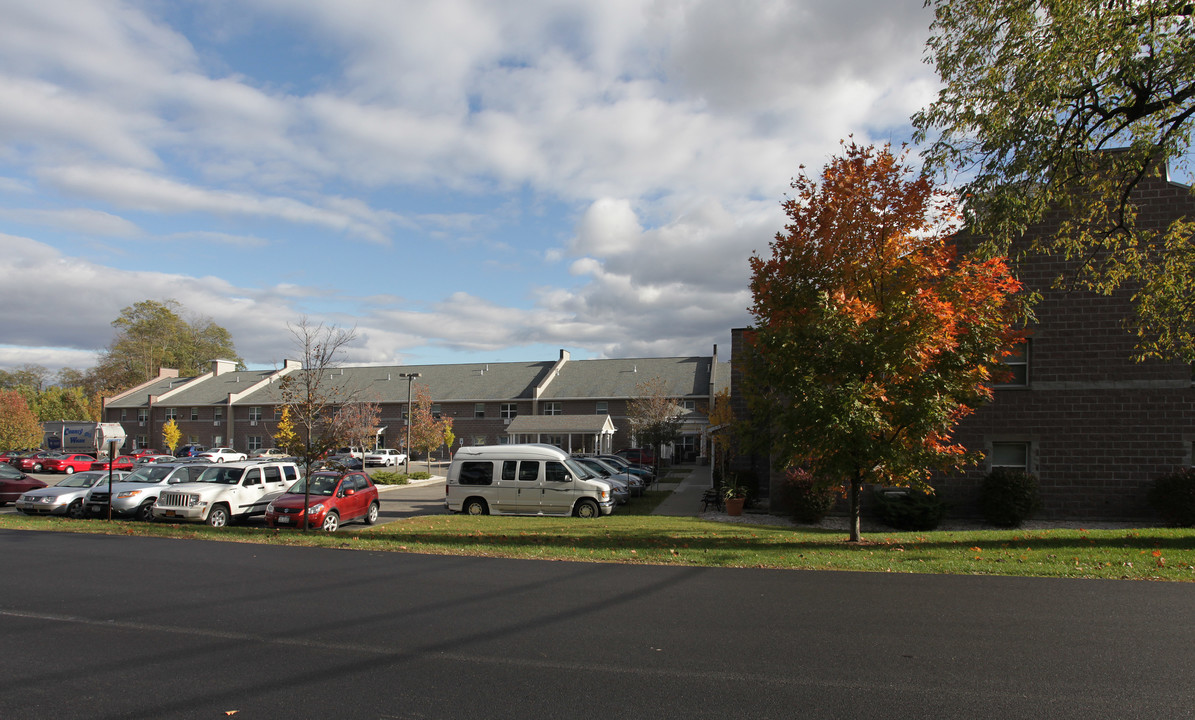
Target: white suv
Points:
(227, 492)
(385, 457)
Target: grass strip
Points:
(1139, 554)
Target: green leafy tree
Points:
(872, 336)
(151, 335)
(56, 403)
(171, 435)
(428, 432)
(19, 427)
(1068, 105)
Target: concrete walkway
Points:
(686, 495)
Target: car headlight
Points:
(270, 508)
(128, 494)
(315, 509)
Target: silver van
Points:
(524, 480)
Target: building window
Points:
(254, 442)
(255, 414)
(124, 414)
(479, 440)
(503, 439)
(602, 407)
(219, 413)
(436, 410)
(218, 441)
(553, 408)
(142, 415)
(194, 413)
(277, 412)
(1013, 455)
(557, 440)
(142, 441)
(509, 410)
(689, 404)
(478, 410)
(192, 439)
(171, 414)
(1017, 362)
(404, 414)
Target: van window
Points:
(476, 473)
(529, 471)
(508, 469)
(556, 472)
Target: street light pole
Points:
(410, 380)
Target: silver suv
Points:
(136, 494)
(226, 492)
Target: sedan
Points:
(122, 462)
(10, 456)
(269, 454)
(223, 454)
(334, 498)
(145, 459)
(14, 483)
(619, 482)
(385, 457)
(34, 462)
(65, 498)
(68, 463)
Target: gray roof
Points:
(582, 379)
(140, 399)
(216, 389)
(559, 424)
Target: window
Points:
(404, 413)
(689, 404)
(254, 414)
(556, 472)
(1010, 455)
(219, 414)
(436, 410)
(1017, 362)
(277, 412)
(254, 442)
(142, 415)
(553, 408)
(218, 441)
(529, 471)
(171, 414)
(253, 477)
(503, 439)
(479, 440)
(476, 473)
(602, 407)
(142, 441)
(509, 410)
(124, 414)
(273, 475)
(192, 439)
(478, 410)
(509, 467)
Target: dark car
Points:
(643, 456)
(335, 498)
(13, 483)
(189, 451)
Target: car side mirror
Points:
(348, 492)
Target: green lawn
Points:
(1140, 554)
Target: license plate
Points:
(97, 508)
(282, 520)
(169, 513)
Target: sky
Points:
(458, 180)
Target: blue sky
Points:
(460, 180)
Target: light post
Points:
(410, 380)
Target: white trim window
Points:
(255, 414)
(554, 407)
(1017, 361)
(509, 411)
(171, 414)
(601, 407)
(478, 410)
(194, 413)
(254, 442)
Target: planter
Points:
(734, 506)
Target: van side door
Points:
(530, 487)
(559, 489)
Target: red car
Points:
(142, 452)
(68, 463)
(10, 456)
(34, 462)
(122, 462)
(643, 456)
(13, 483)
(336, 498)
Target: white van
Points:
(524, 480)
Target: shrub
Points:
(908, 509)
(808, 501)
(1008, 497)
(390, 477)
(1173, 496)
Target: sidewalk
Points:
(686, 495)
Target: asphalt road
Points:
(134, 627)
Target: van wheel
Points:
(586, 509)
(476, 506)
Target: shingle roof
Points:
(683, 377)
(553, 424)
(141, 399)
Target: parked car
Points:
(338, 462)
(353, 452)
(35, 461)
(643, 456)
(146, 459)
(227, 492)
(605, 470)
(68, 497)
(269, 454)
(135, 495)
(642, 471)
(334, 498)
(142, 452)
(122, 462)
(189, 451)
(10, 456)
(14, 483)
(223, 454)
(524, 480)
(386, 457)
(68, 464)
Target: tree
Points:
(1068, 105)
(56, 403)
(310, 397)
(19, 428)
(428, 432)
(171, 435)
(151, 335)
(655, 417)
(358, 423)
(874, 338)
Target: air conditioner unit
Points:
(140, 423)
(505, 421)
(216, 422)
(253, 423)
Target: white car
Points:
(385, 457)
(225, 493)
(223, 454)
(269, 454)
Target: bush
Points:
(1008, 497)
(390, 477)
(1173, 496)
(808, 501)
(908, 509)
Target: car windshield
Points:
(148, 475)
(321, 484)
(83, 480)
(579, 469)
(224, 476)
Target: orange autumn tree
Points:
(873, 338)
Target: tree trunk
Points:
(855, 493)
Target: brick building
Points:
(1095, 426)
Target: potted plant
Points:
(735, 496)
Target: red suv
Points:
(335, 498)
(643, 456)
